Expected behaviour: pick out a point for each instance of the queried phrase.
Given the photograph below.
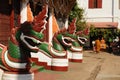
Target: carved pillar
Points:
(50, 34)
(23, 11)
(66, 23)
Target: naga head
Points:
(23, 40)
(30, 34)
(69, 39)
(28, 37)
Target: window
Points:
(95, 3)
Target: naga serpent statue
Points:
(26, 39)
(70, 41)
(23, 40)
(29, 38)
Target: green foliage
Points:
(107, 33)
(118, 32)
(78, 13)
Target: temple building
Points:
(101, 13)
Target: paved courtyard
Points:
(102, 66)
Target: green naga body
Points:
(68, 39)
(53, 51)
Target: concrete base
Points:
(18, 76)
(1, 74)
(42, 59)
(15, 75)
(75, 56)
(56, 64)
(60, 64)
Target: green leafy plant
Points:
(107, 33)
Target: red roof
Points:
(103, 24)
